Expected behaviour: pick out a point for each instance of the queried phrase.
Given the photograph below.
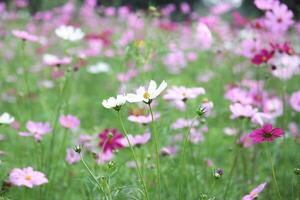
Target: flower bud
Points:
(77, 149)
(297, 171)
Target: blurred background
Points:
(246, 7)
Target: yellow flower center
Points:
(28, 177)
(146, 95)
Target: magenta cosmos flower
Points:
(295, 101)
(69, 121)
(255, 192)
(266, 134)
(36, 129)
(25, 36)
(262, 57)
(110, 139)
(26, 177)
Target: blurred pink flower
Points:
(25, 36)
(279, 18)
(196, 136)
(266, 134)
(246, 141)
(295, 101)
(53, 60)
(110, 140)
(185, 8)
(36, 130)
(72, 157)
(221, 8)
(136, 140)
(168, 151)
(183, 123)
(265, 4)
(103, 157)
(26, 177)
(230, 131)
(240, 110)
(255, 192)
(273, 107)
(69, 121)
(293, 129)
(143, 119)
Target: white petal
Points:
(161, 87)
(152, 87)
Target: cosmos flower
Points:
(114, 103)
(143, 119)
(266, 134)
(262, 57)
(6, 118)
(99, 67)
(53, 60)
(265, 4)
(146, 95)
(246, 141)
(295, 101)
(72, 157)
(25, 36)
(36, 130)
(273, 107)
(103, 157)
(69, 121)
(168, 151)
(69, 33)
(110, 140)
(136, 140)
(255, 192)
(26, 177)
(240, 110)
(183, 123)
(203, 36)
(279, 18)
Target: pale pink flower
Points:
(293, 129)
(240, 110)
(246, 141)
(221, 8)
(295, 101)
(36, 130)
(196, 136)
(265, 4)
(103, 157)
(203, 36)
(26, 177)
(25, 36)
(255, 192)
(230, 131)
(185, 8)
(136, 140)
(168, 151)
(273, 106)
(184, 123)
(143, 119)
(53, 60)
(279, 18)
(250, 47)
(72, 157)
(69, 121)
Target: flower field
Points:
(113, 103)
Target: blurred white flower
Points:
(100, 67)
(69, 33)
(146, 96)
(114, 103)
(6, 118)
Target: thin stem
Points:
(90, 172)
(108, 189)
(182, 160)
(134, 156)
(156, 151)
(273, 171)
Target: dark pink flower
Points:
(110, 139)
(262, 57)
(266, 134)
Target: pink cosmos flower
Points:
(136, 140)
(110, 140)
(52, 60)
(263, 57)
(181, 93)
(168, 151)
(72, 157)
(196, 136)
(230, 131)
(255, 192)
(26, 177)
(240, 110)
(273, 107)
(221, 8)
(250, 47)
(293, 129)
(143, 119)
(266, 134)
(25, 36)
(86, 141)
(185, 8)
(103, 157)
(238, 95)
(36, 130)
(183, 123)
(279, 18)
(69, 121)
(265, 4)
(246, 141)
(295, 101)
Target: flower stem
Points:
(156, 151)
(90, 172)
(182, 160)
(134, 157)
(273, 172)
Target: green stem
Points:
(108, 189)
(134, 157)
(273, 172)
(182, 160)
(156, 151)
(91, 174)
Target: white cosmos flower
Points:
(114, 103)
(100, 67)
(147, 95)
(69, 33)
(6, 118)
